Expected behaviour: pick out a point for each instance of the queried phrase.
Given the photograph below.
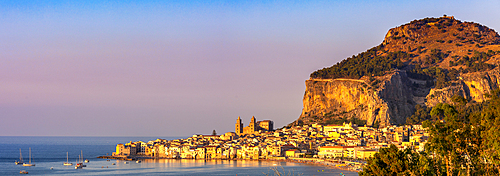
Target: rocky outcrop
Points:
(390, 103)
(443, 51)
(471, 86)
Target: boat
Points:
(126, 162)
(80, 164)
(23, 172)
(20, 158)
(67, 163)
(29, 164)
(113, 164)
(138, 161)
(87, 161)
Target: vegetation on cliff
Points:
(421, 47)
(366, 63)
(463, 141)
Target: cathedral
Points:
(253, 127)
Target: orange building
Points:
(253, 127)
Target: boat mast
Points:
(30, 155)
(20, 156)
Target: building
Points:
(266, 125)
(253, 127)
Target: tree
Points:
(392, 161)
(421, 114)
(454, 141)
(490, 119)
(388, 161)
(214, 133)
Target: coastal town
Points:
(346, 145)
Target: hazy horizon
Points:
(178, 68)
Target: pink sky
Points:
(181, 68)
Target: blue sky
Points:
(177, 68)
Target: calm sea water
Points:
(50, 152)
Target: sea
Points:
(49, 153)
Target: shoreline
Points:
(312, 161)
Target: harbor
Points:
(50, 152)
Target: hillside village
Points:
(347, 141)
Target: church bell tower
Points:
(239, 126)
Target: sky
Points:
(178, 68)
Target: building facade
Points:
(253, 127)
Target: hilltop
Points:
(424, 62)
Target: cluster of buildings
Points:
(259, 140)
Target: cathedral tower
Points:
(252, 124)
(239, 126)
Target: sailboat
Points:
(29, 164)
(67, 163)
(20, 158)
(80, 164)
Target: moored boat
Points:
(67, 163)
(23, 172)
(20, 158)
(80, 164)
(29, 164)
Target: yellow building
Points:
(366, 153)
(331, 151)
(253, 127)
(125, 150)
(291, 152)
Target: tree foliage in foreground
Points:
(461, 142)
(392, 161)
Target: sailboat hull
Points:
(29, 164)
(67, 163)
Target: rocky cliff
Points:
(463, 61)
(329, 98)
(471, 86)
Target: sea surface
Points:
(49, 153)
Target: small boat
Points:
(29, 164)
(80, 164)
(20, 158)
(87, 161)
(23, 172)
(126, 162)
(138, 161)
(113, 164)
(67, 163)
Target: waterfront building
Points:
(331, 151)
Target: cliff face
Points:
(388, 104)
(471, 86)
(392, 102)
